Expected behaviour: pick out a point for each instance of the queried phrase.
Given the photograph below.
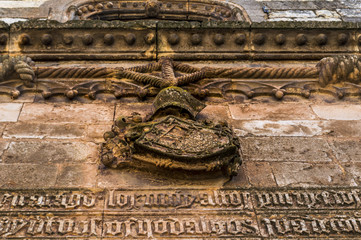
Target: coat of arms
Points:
(172, 139)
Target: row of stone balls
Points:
(195, 39)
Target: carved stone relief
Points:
(171, 140)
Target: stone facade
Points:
(258, 69)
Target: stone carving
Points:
(86, 213)
(339, 69)
(171, 139)
(336, 76)
(153, 9)
(20, 65)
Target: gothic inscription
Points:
(181, 213)
(162, 200)
(312, 225)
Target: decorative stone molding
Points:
(153, 9)
(181, 40)
(337, 76)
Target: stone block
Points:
(143, 109)
(42, 152)
(347, 150)
(349, 12)
(338, 112)
(9, 112)
(291, 149)
(327, 14)
(113, 178)
(2, 127)
(355, 170)
(310, 175)
(290, 128)
(44, 130)
(292, 14)
(3, 146)
(269, 111)
(95, 133)
(216, 113)
(344, 128)
(67, 113)
(290, 5)
(260, 174)
(76, 175)
(27, 176)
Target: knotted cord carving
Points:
(20, 65)
(339, 69)
(344, 71)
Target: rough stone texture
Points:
(215, 113)
(43, 130)
(283, 111)
(285, 149)
(338, 112)
(46, 152)
(347, 150)
(9, 112)
(344, 128)
(355, 170)
(292, 128)
(260, 174)
(310, 175)
(128, 109)
(95, 132)
(27, 176)
(3, 146)
(67, 113)
(76, 175)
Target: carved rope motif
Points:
(337, 76)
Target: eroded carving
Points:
(171, 139)
(153, 9)
(20, 65)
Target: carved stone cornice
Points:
(152, 39)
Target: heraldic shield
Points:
(172, 140)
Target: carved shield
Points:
(186, 144)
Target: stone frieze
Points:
(164, 213)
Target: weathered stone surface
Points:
(327, 14)
(127, 109)
(112, 178)
(291, 128)
(306, 175)
(292, 14)
(349, 12)
(347, 150)
(338, 112)
(260, 174)
(2, 127)
(67, 113)
(9, 112)
(76, 175)
(95, 133)
(295, 149)
(344, 128)
(215, 113)
(42, 152)
(27, 176)
(355, 170)
(260, 111)
(3, 146)
(44, 130)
